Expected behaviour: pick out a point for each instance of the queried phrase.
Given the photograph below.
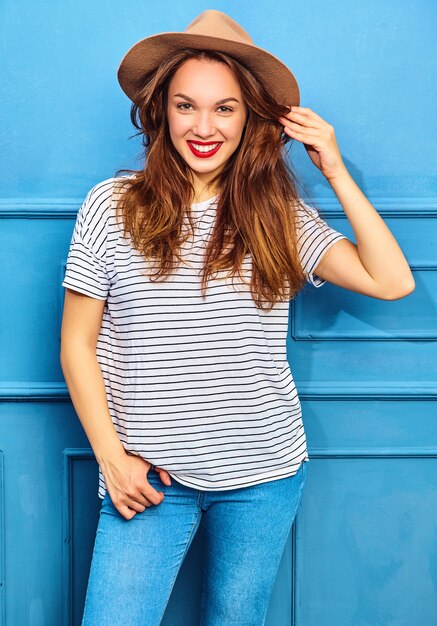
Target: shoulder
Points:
(306, 212)
(307, 217)
(106, 189)
(100, 201)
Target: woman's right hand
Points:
(127, 484)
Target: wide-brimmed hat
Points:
(211, 30)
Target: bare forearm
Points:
(377, 247)
(85, 383)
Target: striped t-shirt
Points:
(200, 388)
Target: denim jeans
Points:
(135, 562)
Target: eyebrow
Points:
(181, 95)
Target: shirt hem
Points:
(261, 478)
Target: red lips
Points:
(204, 155)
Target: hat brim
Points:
(149, 52)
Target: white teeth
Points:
(200, 148)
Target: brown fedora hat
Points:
(211, 30)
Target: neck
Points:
(200, 195)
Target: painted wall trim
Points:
(60, 208)
(414, 390)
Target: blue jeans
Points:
(135, 562)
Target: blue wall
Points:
(362, 551)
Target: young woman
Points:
(179, 277)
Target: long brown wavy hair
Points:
(258, 191)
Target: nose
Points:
(204, 127)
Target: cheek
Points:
(235, 129)
(176, 125)
(235, 137)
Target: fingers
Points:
(128, 487)
(306, 112)
(130, 505)
(299, 129)
(305, 135)
(127, 512)
(152, 495)
(163, 475)
(300, 121)
(305, 119)
(306, 126)
(136, 506)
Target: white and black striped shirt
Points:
(201, 388)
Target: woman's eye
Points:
(186, 104)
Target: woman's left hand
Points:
(318, 138)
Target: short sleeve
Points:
(314, 238)
(86, 268)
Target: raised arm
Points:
(375, 265)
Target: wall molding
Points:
(372, 453)
(69, 456)
(298, 331)
(404, 390)
(67, 207)
(387, 390)
(386, 207)
(349, 454)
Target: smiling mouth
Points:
(204, 150)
